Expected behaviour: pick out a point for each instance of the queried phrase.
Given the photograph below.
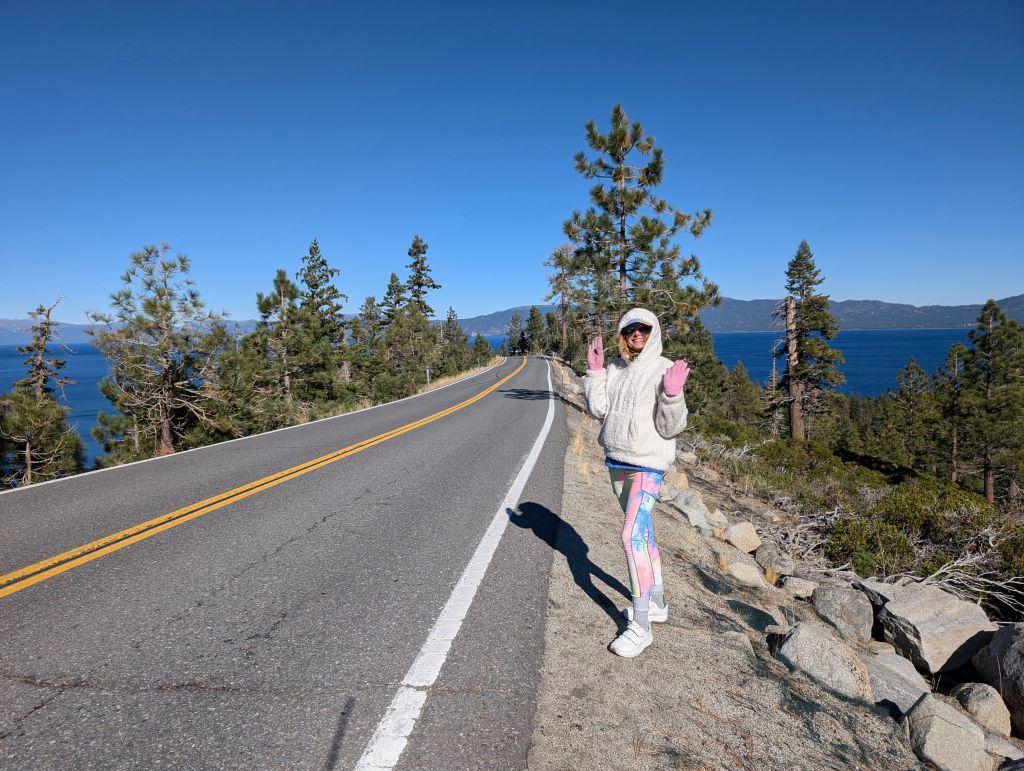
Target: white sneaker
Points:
(655, 614)
(631, 642)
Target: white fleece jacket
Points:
(640, 420)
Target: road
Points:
(277, 626)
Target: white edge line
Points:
(178, 454)
(392, 734)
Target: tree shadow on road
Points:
(562, 537)
(536, 395)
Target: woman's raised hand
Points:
(675, 378)
(595, 355)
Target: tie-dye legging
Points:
(637, 491)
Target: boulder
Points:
(689, 501)
(1001, 663)
(985, 706)
(677, 479)
(814, 649)
(799, 587)
(747, 574)
(877, 646)
(717, 519)
(1002, 747)
(877, 592)
(771, 557)
(848, 610)
(895, 681)
(740, 640)
(667, 491)
(743, 536)
(945, 738)
(694, 516)
(688, 457)
(933, 628)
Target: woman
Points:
(640, 399)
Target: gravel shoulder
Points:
(708, 694)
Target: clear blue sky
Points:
(889, 135)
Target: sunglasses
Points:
(632, 329)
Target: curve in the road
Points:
(29, 575)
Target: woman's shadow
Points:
(562, 537)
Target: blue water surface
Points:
(873, 356)
(86, 367)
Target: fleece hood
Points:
(652, 349)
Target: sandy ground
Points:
(708, 694)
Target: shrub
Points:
(871, 546)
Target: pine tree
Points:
(741, 400)
(563, 288)
(950, 390)
(994, 398)
(410, 342)
(516, 334)
(279, 316)
(811, 365)
(627, 234)
(535, 338)
(321, 326)
(916, 415)
(552, 332)
(39, 443)
(455, 354)
(159, 341)
(482, 351)
(420, 281)
(394, 300)
(696, 345)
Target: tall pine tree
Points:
(321, 326)
(279, 317)
(159, 340)
(628, 231)
(994, 398)
(811, 365)
(394, 299)
(949, 386)
(36, 442)
(535, 337)
(420, 281)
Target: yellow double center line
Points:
(24, 577)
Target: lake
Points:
(86, 367)
(873, 358)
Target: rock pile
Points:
(926, 631)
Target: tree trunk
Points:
(990, 482)
(955, 473)
(27, 478)
(623, 254)
(165, 437)
(796, 414)
(565, 331)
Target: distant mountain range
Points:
(756, 315)
(731, 316)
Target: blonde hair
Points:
(624, 350)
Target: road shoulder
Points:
(708, 693)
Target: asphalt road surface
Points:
(275, 627)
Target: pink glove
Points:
(595, 355)
(675, 378)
